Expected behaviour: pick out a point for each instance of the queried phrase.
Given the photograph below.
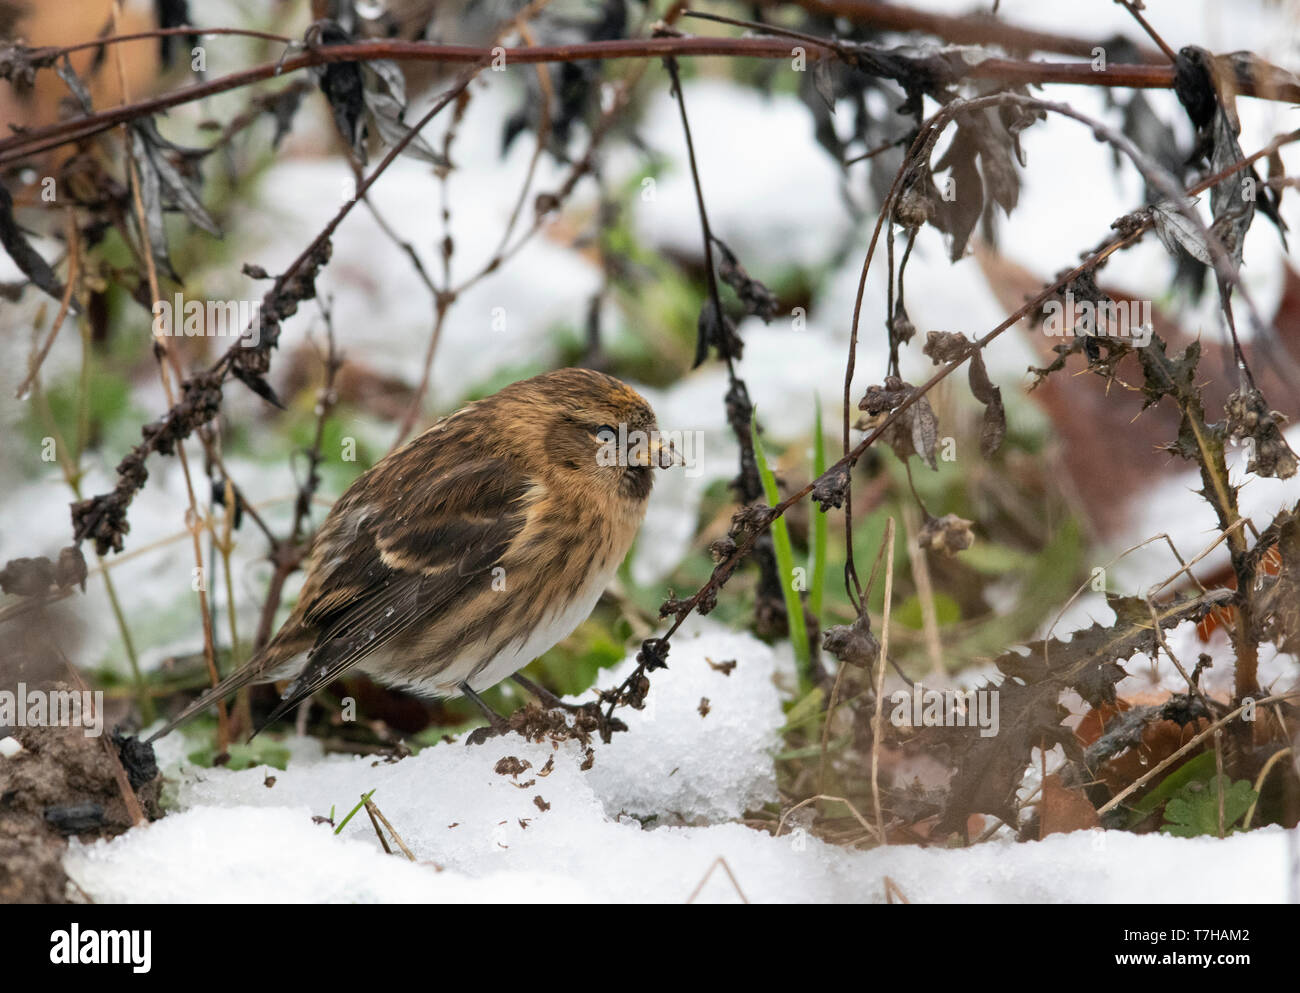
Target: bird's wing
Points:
(378, 574)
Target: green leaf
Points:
(1199, 769)
(784, 561)
(817, 554)
(1194, 810)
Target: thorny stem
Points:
(710, 275)
(748, 485)
(1116, 242)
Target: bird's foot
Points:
(548, 699)
(496, 724)
(481, 735)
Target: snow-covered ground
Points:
(478, 835)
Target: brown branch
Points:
(972, 29)
(1000, 70)
(54, 52)
(1135, 10)
(1131, 232)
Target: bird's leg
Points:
(497, 725)
(548, 699)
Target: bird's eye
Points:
(606, 435)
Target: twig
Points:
(892, 890)
(1147, 776)
(879, 716)
(970, 29)
(719, 861)
(924, 591)
(74, 261)
(129, 799)
(1134, 9)
(866, 824)
(376, 818)
(1259, 783)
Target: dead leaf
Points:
(1064, 809)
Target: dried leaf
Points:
(824, 83)
(757, 299)
(258, 385)
(990, 769)
(28, 260)
(830, 489)
(75, 85)
(710, 332)
(925, 430)
(1064, 809)
(980, 384)
(993, 425)
(958, 215)
(387, 107)
(1248, 416)
(945, 346)
(164, 185)
(915, 432)
(1175, 230)
(1278, 602)
(343, 86)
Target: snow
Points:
(256, 854)
(655, 819)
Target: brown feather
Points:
(480, 538)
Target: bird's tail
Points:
(257, 670)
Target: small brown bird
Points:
(461, 557)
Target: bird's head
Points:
(592, 432)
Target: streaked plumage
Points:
(470, 551)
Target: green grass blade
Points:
(360, 803)
(784, 561)
(817, 554)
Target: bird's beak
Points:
(663, 456)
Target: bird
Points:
(460, 557)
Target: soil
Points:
(63, 785)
